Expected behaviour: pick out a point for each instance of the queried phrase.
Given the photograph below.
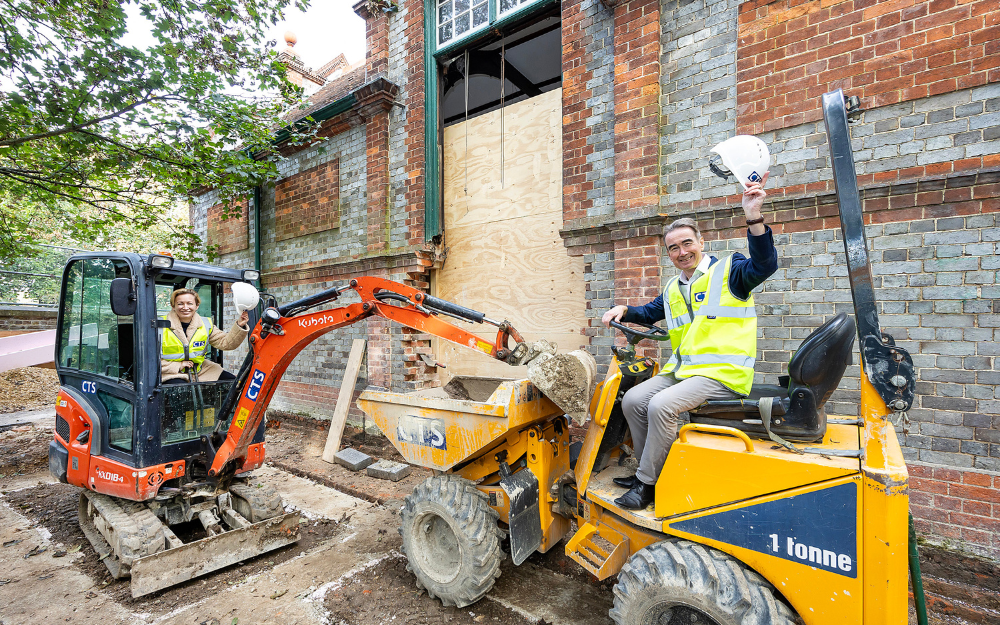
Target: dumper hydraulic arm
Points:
(283, 331)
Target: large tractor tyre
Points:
(677, 581)
(256, 503)
(451, 540)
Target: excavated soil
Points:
(386, 593)
(24, 450)
(54, 507)
(29, 388)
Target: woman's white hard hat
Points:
(245, 297)
(745, 156)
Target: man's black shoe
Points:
(638, 497)
(625, 482)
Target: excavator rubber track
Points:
(132, 542)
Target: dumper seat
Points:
(814, 372)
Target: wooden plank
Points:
(505, 255)
(344, 399)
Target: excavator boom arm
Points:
(282, 334)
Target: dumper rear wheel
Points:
(677, 581)
(451, 540)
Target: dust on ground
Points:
(29, 388)
(54, 507)
(386, 592)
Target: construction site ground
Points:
(346, 568)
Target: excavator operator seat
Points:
(814, 372)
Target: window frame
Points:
(495, 16)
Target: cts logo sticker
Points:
(88, 387)
(198, 344)
(256, 382)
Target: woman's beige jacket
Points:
(210, 371)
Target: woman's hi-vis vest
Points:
(716, 337)
(171, 348)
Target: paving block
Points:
(389, 470)
(353, 459)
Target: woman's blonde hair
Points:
(179, 292)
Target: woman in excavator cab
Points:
(187, 341)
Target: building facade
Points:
(522, 156)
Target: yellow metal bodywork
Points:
(710, 470)
(470, 428)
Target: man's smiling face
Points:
(684, 248)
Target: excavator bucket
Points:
(194, 559)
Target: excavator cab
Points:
(141, 448)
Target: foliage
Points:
(96, 133)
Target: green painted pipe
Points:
(918, 585)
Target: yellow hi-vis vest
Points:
(171, 347)
(716, 337)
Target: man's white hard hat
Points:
(745, 156)
(245, 296)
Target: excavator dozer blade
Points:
(177, 565)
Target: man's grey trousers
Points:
(652, 410)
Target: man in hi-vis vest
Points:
(710, 316)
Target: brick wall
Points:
(884, 51)
(18, 320)
(228, 228)
(308, 202)
(636, 98)
(588, 109)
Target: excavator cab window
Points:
(189, 411)
(93, 339)
(209, 294)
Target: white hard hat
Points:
(745, 156)
(245, 296)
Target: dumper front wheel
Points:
(451, 540)
(677, 581)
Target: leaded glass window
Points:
(458, 18)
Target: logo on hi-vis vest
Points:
(817, 529)
(256, 381)
(198, 344)
(699, 297)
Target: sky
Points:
(324, 30)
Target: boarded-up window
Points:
(308, 202)
(229, 235)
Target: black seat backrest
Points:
(822, 358)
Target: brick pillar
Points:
(413, 189)
(637, 273)
(575, 94)
(375, 99)
(637, 113)
(376, 40)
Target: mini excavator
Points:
(151, 456)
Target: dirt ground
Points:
(27, 389)
(346, 569)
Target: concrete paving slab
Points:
(43, 417)
(389, 470)
(353, 459)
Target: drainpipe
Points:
(256, 231)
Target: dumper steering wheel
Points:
(655, 333)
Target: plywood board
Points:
(505, 256)
(344, 399)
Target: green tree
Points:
(95, 133)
